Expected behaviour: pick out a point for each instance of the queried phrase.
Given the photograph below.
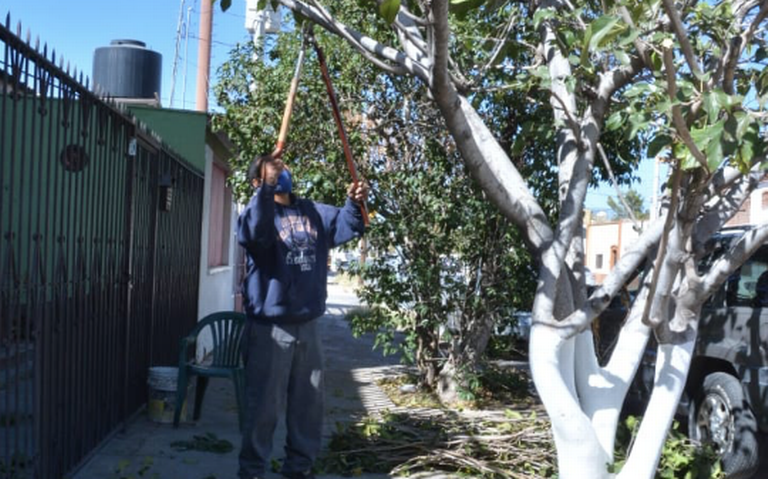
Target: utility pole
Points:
(204, 55)
(176, 51)
(186, 61)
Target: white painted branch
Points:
(638, 252)
(728, 200)
(672, 365)
(737, 255)
(605, 390)
(372, 49)
(481, 152)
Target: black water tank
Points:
(127, 69)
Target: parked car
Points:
(725, 401)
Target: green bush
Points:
(680, 458)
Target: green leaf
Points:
(567, 37)
(462, 7)
(518, 146)
(599, 33)
(511, 414)
(614, 121)
(751, 143)
(761, 54)
(602, 30)
(225, 4)
(637, 89)
(637, 122)
(622, 57)
(711, 105)
(388, 10)
(658, 144)
(762, 82)
(702, 136)
(628, 36)
(714, 149)
(541, 15)
(687, 161)
(730, 137)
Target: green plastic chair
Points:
(226, 362)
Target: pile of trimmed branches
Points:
(482, 444)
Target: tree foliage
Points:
(630, 205)
(443, 265)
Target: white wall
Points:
(216, 288)
(758, 214)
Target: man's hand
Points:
(358, 192)
(270, 170)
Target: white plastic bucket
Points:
(162, 394)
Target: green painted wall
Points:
(183, 131)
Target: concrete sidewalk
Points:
(351, 368)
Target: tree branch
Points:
(373, 50)
(485, 159)
(731, 261)
(629, 262)
(569, 119)
(499, 44)
(649, 317)
(736, 48)
(677, 115)
(616, 186)
(642, 51)
(729, 199)
(682, 37)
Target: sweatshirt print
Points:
(287, 254)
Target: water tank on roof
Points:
(127, 69)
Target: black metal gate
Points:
(97, 281)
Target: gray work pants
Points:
(283, 369)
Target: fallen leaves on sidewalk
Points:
(490, 444)
(208, 442)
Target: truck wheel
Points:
(722, 417)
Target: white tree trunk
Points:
(579, 452)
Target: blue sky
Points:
(76, 28)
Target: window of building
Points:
(599, 261)
(219, 234)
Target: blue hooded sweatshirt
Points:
(287, 254)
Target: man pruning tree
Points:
(287, 240)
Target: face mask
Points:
(284, 182)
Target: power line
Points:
(218, 42)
